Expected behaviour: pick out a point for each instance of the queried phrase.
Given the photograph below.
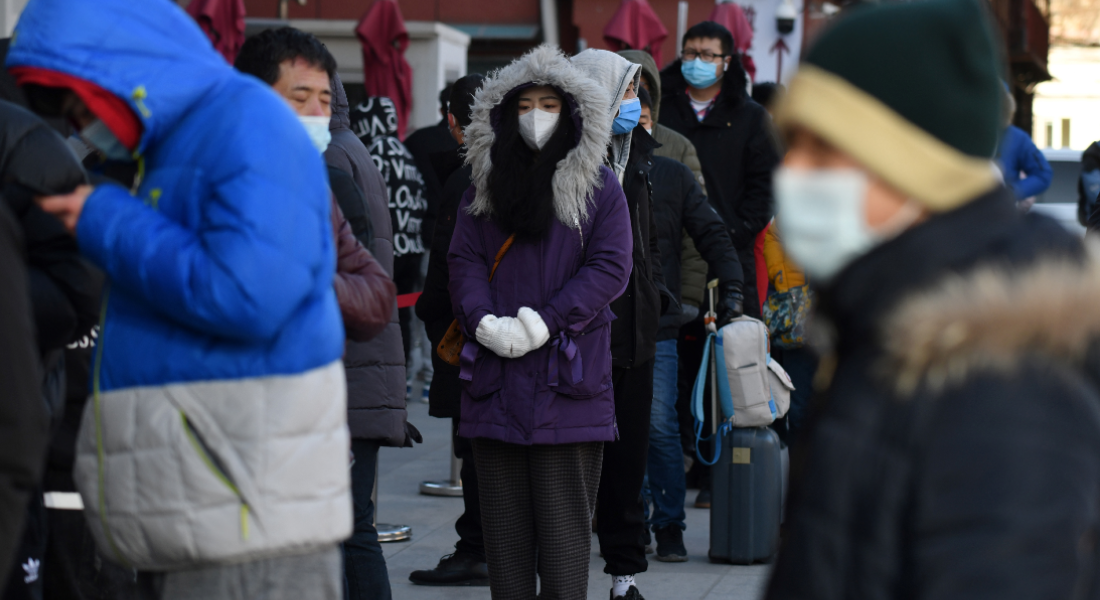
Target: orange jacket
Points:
(782, 272)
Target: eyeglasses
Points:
(706, 55)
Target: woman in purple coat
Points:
(537, 397)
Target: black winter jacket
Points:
(680, 204)
(34, 160)
(434, 306)
(23, 422)
(639, 309)
(422, 144)
(375, 369)
(738, 155)
(956, 452)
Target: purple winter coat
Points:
(560, 393)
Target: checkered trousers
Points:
(536, 513)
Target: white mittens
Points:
(535, 326)
(512, 337)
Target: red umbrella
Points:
(386, 73)
(732, 17)
(635, 25)
(223, 22)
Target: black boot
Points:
(454, 569)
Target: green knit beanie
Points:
(912, 91)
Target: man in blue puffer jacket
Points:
(215, 445)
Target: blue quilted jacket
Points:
(217, 431)
(221, 262)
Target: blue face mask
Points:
(100, 137)
(629, 113)
(699, 73)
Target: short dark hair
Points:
(710, 29)
(462, 97)
(645, 98)
(262, 53)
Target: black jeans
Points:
(364, 565)
(471, 540)
(620, 518)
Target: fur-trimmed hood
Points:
(579, 173)
(994, 318)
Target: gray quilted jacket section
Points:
(217, 472)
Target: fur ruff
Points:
(992, 319)
(578, 175)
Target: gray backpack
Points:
(753, 389)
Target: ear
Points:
(451, 122)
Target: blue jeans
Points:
(666, 458)
(364, 565)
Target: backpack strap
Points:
(697, 409)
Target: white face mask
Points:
(536, 126)
(317, 128)
(822, 221)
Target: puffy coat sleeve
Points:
(365, 293)
(1004, 510)
(261, 245)
(693, 273)
(606, 270)
(709, 231)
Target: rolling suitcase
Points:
(747, 497)
(749, 468)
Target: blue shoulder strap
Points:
(701, 382)
(697, 410)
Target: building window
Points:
(1050, 135)
(1065, 133)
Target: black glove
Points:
(731, 303)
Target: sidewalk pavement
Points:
(432, 520)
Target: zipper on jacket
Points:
(217, 471)
(101, 478)
(97, 408)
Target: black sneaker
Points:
(670, 544)
(631, 594)
(454, 569)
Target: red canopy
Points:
(386, 73)
(732, 17)
(223, 22)
(635, 25)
